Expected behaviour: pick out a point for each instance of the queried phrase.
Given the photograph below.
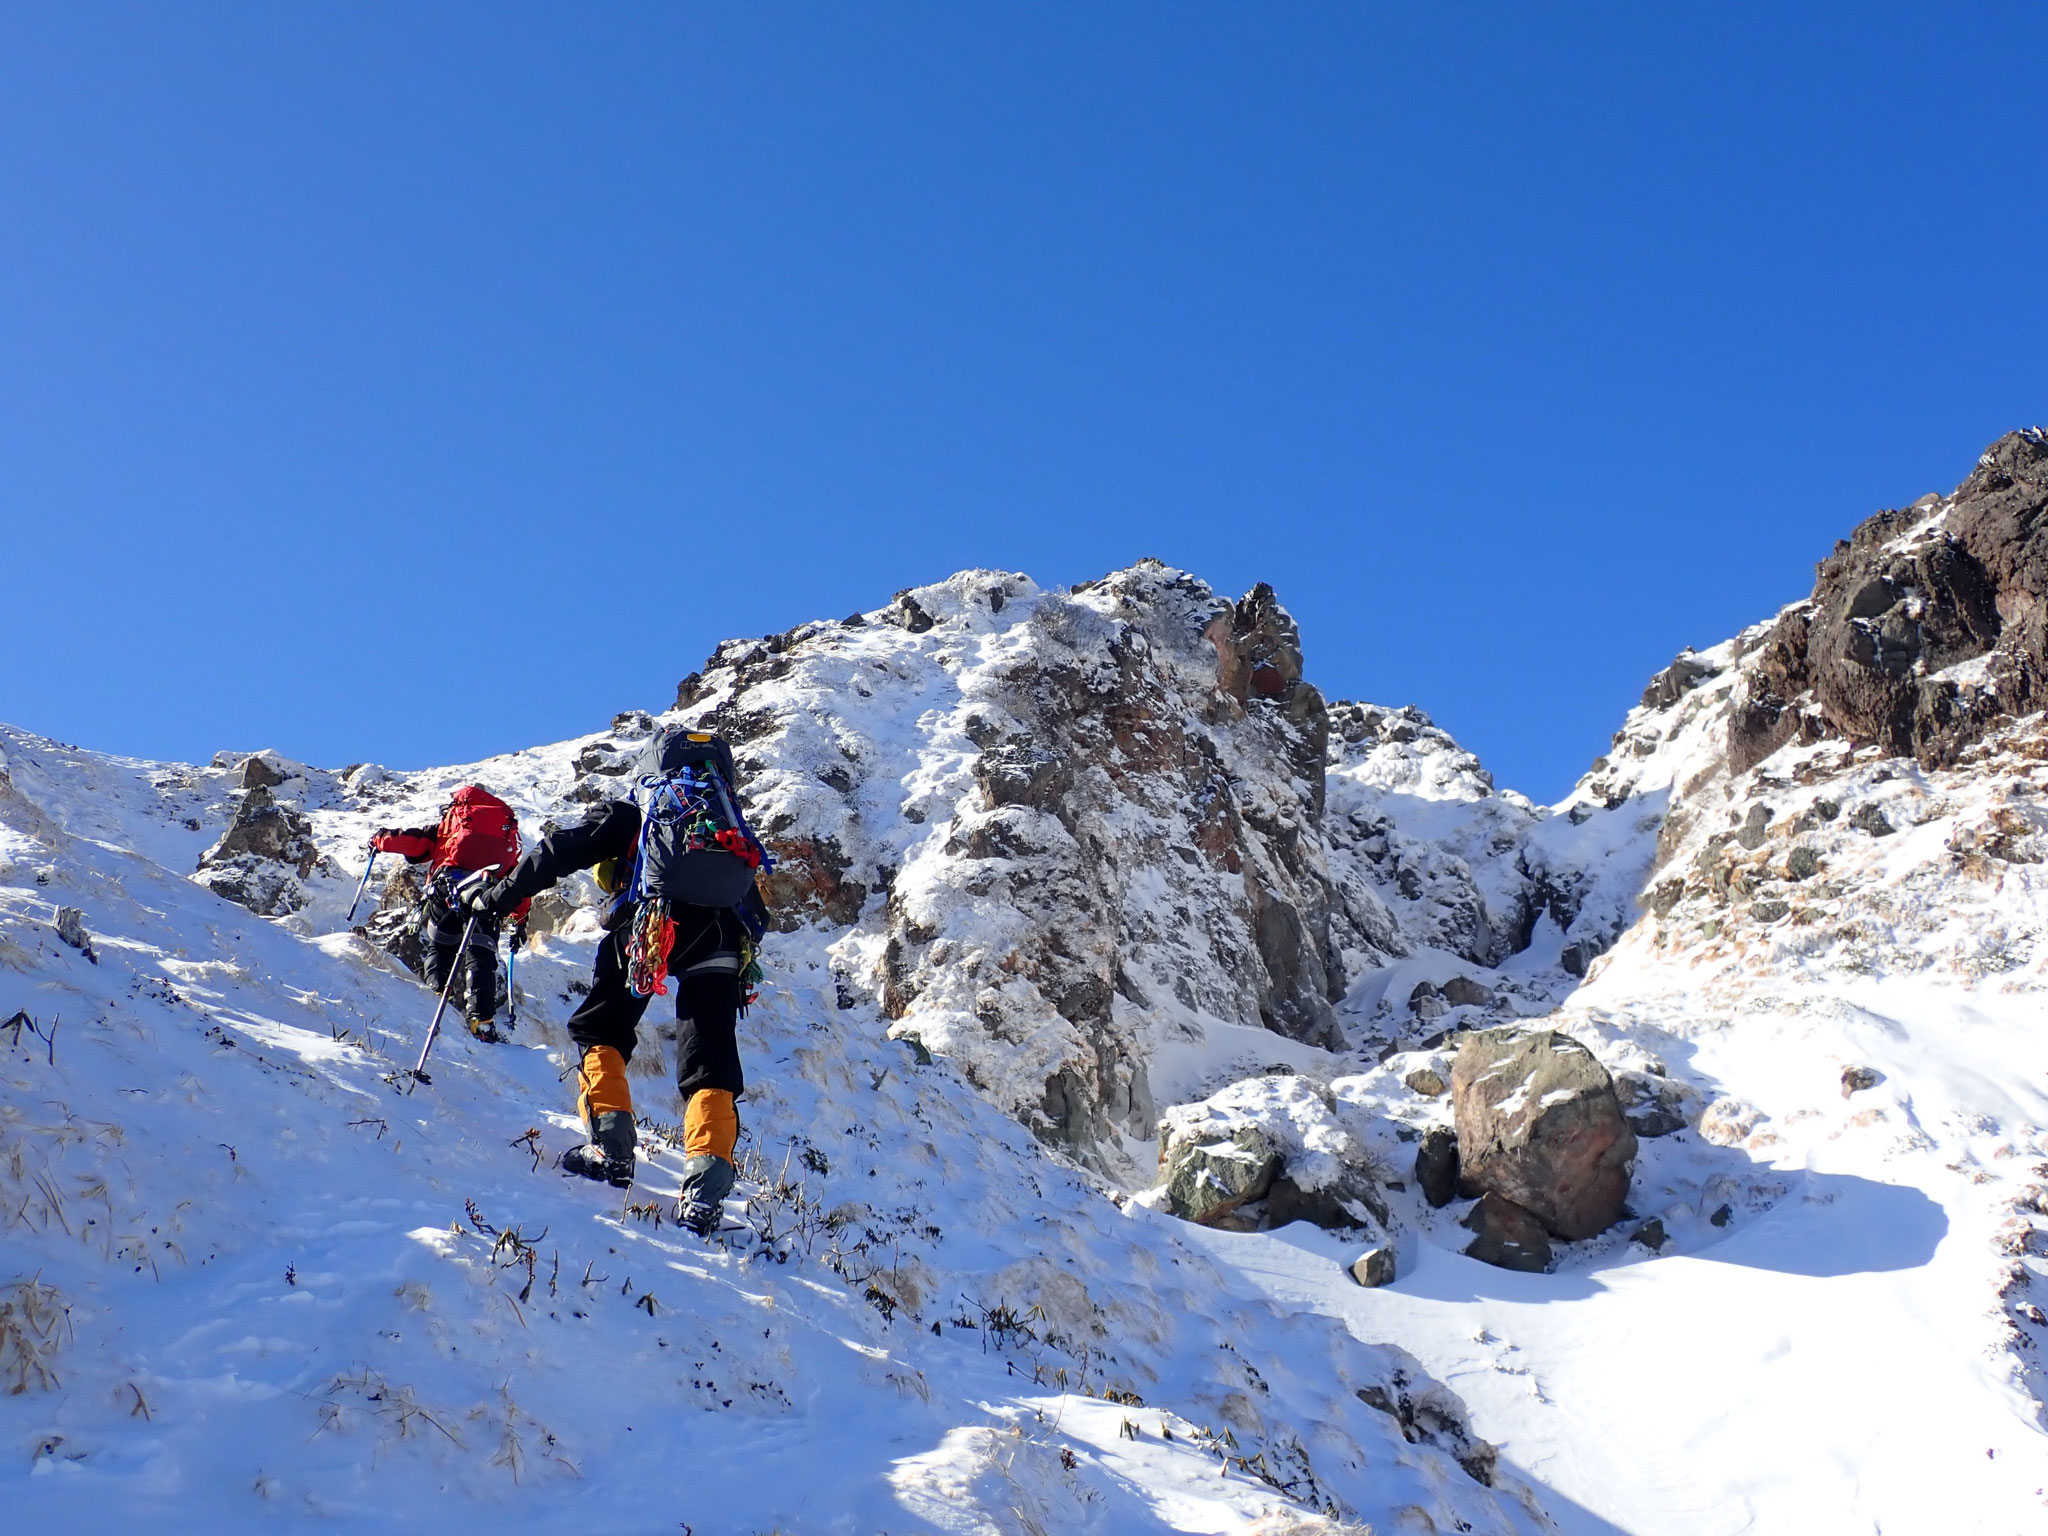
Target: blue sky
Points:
(407, 383)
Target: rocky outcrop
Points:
(1424, 847)
(1539, 1124)
(1066, 829)
(394, 926)
(267, 850)
(1088, 816)
(1926, 626)
(263, 771)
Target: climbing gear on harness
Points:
(647, 946)
(751, 973)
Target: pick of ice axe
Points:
(466, 890)
(362, 885)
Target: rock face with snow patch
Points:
(1925, 626)
(1425, 846)
(266, 851)
(1539, 1125)
(1071, 817)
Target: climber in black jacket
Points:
(709, 950)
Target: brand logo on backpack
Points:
(695, 847)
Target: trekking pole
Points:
(463, 892)
(511, 997)
(362, 886)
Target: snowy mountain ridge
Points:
(1111, 861)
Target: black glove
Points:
(478, 894)
(519, 936)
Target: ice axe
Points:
(363, 884)
(465, 890)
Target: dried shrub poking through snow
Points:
(35, 1327)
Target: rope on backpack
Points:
(647, 947)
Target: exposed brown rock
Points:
(1909, 594)
(810, 881)
(259, 861)
(260, 773)
(1375, 1267)
(1507, 1236)
(1539, 1124)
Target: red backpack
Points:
(477, 830)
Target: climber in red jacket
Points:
(476, 831)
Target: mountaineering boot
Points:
(706, 1182)
(606, 1104)
(608, 1156)
(485, 1030)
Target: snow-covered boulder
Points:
(1319, 1172)
(1209, 1179)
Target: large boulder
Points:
(1539, 1124)
(1214, 1151)
(1207, 1181)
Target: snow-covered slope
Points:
(1108, 857)
(1831, 957)
(246, 1277)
